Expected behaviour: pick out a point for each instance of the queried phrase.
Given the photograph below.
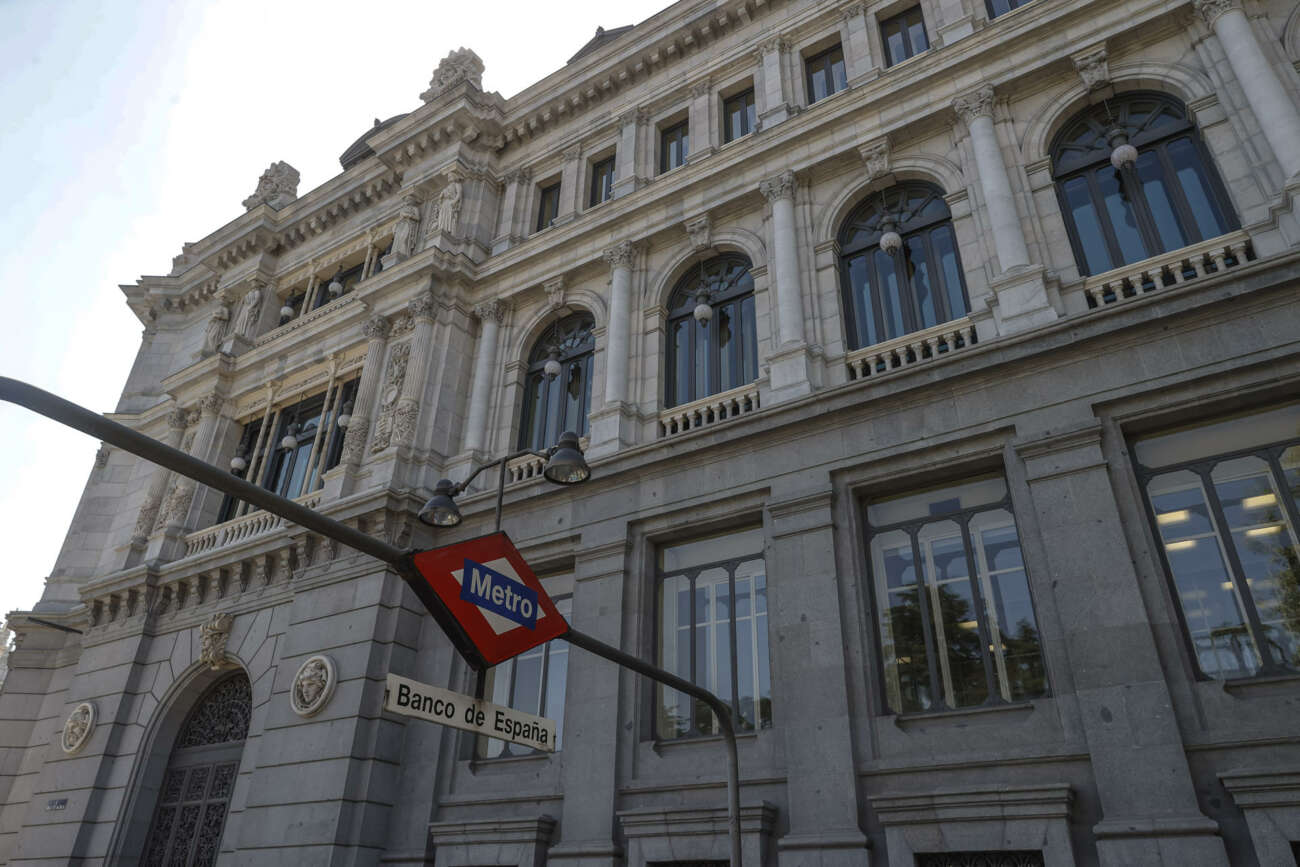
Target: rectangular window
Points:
(307, 441)
(979, 859)
(738, 116)
(532, 682)
(713, 632)
(947, 641)
(602, 182)
(674, 144)
(1001, 7)
(548, 205)
(825, 74)
(904, 36)
(1224, 503)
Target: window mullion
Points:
(1131, 184)
(1103, 219)
(1238, 573)
(927, 628)
(981, 616)
(735, 650)
(695, 725)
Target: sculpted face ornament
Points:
(213, 635)
(312, 686)
(76, 731)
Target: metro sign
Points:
(493, 594)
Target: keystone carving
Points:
(76, 731)
(213, 635)
(277, 187)
(554, 290)
(877, 157)
(700, 231)
(1092, 68)
(460, 65)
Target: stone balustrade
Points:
(239, 529)
(530, 467)
(910, 349)
(707, 411)
(1168, 269)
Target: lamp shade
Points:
(566, 465)
(441, 510)
(238, 464)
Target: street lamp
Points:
(565, 465)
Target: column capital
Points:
(377, 328)
(492, 310)
(211, 405)
(632, 116)
(178, 419)
(702, 88)
(572, 152)
(779, 187)
(855, 9)
(975, 104)
(776, 43)
(1211, 10)
(620, 255)
(422, 306)
(519, 176)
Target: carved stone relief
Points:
(77, 729)
(393, 380)
(213, 635)
(277, 187)
(313, 685)
(460, 65)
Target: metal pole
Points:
(92, 423)
(654, 672)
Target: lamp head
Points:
(441, 510)
(565, 464)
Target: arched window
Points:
(195, 793)
(713, 354)
(911, 281)
(1168, 197)
(553, 405)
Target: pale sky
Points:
(131, 127)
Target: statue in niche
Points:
(249, 308)
(216, 329)
(449, 206)
(404, 233)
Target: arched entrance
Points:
(195, 793)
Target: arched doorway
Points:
(195, 793)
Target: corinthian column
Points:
(976, 111)
(779, 192)
(618, 334)
(354, 442)
(491, 314)
(422, 311)
(1273, 107)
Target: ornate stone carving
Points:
(572, 152)
(620, 255)
(246, 316)
(77, 729)
(877, 157)
(405, 233)
(460, 65)
(449, 201)
(393, 380)
(145, 520)
(277, 187)
(1211, 9)
(101, 456)
(376, 328)
(177, 507)
(702, 88)
(215, 329)
(211, 404)
(404, 421)
(554, 289)
(776, 43)
(1092, 67)
(354, 442)
(779, 187)
(977, 103)
(178, 419)
(519, 176)
(853, 10)
(422, 306)
(700, 231)
(491, 310)
(313, 685)
(213, 635)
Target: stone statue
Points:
(460, 65)
(76, 731)
(277, 187)
(449, 206)
(312, 686)
(213, 635)
(246, 318)
(404, 234)
(216, 329)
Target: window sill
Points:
(1266, 685)
(907, 60)
(964, 716)
(476, 765)
(659, 745)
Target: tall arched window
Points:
(1134, 181)
(195, 793)
(709, 354)
(556, 403)
(899, 266)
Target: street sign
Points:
(493, 594)
(412, 698)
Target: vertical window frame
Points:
(602, 190)
(676, 133)
(548, 200)
(904, 26)
(748, 115)
(824, 62)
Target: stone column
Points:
(570, 185)
(1139, 762)
(511, 204)
(1274, 109)
(628, 171)
(773, 95)
(855, 38)
(618, 332)
(376, 330)
(779, 192)
(491, 314)
(976, 111)
(177, 421)
(406, 420)
(176, 515)
(703, 132)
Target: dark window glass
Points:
(553, 406)
(999, 7)
(825, 74)
(705, 358)
(738, 116)
(548, 206)
(980, 859)
(602, 181)
(674, 145)
(533, 682)
(713, 632)
(956, 622)
(1170, 198)
(919, 285)
(904, 36)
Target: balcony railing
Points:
(911, 349)
(710, 410)
(239, 529)
(1168, 269)
(530, 467)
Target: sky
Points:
(131, 127)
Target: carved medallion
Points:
(76, 731)
(313, 685)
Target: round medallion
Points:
(312, 686)
(76, 731)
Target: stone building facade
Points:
(937, 366)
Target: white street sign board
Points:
(432, 703)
